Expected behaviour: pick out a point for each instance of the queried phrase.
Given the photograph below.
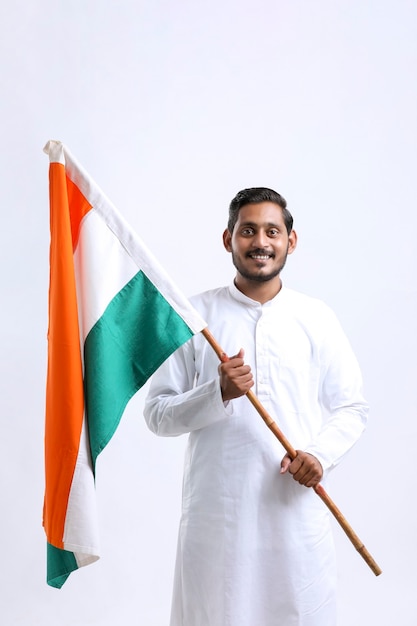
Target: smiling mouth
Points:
(258, 255)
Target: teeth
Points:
(260, 256)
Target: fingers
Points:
(305, 468)
(235, 377)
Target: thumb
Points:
(239, 355)
(285, 463)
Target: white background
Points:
(173, 106)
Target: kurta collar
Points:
(240, 297)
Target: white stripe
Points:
(151, 267)
(81, 534)
(102, 269)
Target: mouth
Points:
(259, 255)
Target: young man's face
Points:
(259, 243)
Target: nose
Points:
(260, 239)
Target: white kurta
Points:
(255, 548)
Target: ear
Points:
(227, 240)
(292, 241)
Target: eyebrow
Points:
(254, 224)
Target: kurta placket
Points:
(263, 377)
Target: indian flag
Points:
(114, 317)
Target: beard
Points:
(257, 276)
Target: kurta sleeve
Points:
(175, 404)
(341, 396)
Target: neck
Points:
(259, 291)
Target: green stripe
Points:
(136, 333)
(60, 564)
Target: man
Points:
(255, 546)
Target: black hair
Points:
(255, 195)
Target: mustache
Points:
(260, 251)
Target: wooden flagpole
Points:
(319, 489)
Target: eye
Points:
(247, 231)
(273, 232)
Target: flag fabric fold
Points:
(114, 317)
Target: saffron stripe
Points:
(64, 388)
(78, 207)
